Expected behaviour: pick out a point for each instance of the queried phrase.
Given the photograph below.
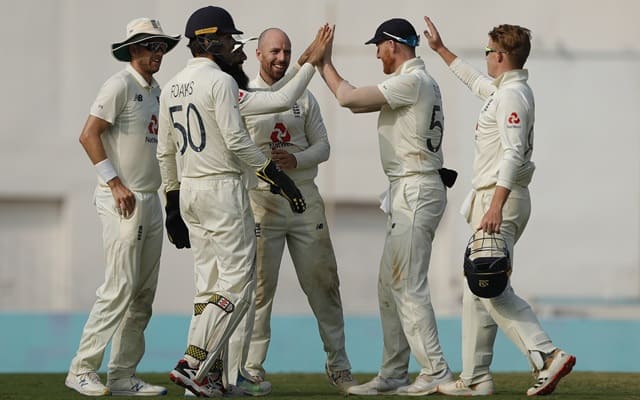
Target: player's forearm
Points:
(500, 196)
(479, 84)
(331, 77)
(447, 55)
(267, 102)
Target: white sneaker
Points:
(379, 385)
(185, 376)
(134, 386)
(255, 386)
(426, 384)
(458, 388)
(88, 384)
(560, 365)
(342, 379)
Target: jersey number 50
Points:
(187, 137)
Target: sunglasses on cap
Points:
(412, 41)
(155, 46)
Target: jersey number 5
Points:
(437, 121)
(187, 137)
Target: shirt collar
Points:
(140, 79)
(203, 60)
(514, 75)
(260, 83)
(409, 65)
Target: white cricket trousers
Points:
(417, 203)
(309, 243)
(122, 309)
(218, 214)
(482, 317)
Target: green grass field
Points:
(578, 386)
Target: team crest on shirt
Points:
(280, 133)
(513, 121)
(241, 95)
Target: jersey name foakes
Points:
(182, 89)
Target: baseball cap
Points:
(210, 19)
(397, 29)
(138, 30)
(240, 41)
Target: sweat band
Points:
(105, 170)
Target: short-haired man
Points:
(120, 138)
(410, 128)
(499, 202)
(201, 123)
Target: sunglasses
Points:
(489, 50)
(155, 46)
(412, 41)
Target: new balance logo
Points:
(137, 387)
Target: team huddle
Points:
(237, 158)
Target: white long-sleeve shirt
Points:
(200, 119)
(248, 103)
(300, 130)
(504, 131)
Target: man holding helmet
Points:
(500, 203)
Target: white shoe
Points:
(185, 376)
(560, 365)
(88, 384)
(255, 386)
(426, 384)
(379, 385)
(342, 379)
(134, 386)
(458, 388)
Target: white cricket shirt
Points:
(300, 130)
(410, 127)
(201, 122)
(130, 104)
(504, 132)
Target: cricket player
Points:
(410, 128)
(120, 138)
(201, 124)
(499, 202)
(236, 380)
(297, 141)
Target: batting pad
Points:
(217, 323)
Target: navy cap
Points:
(210, 19)
(397, 29)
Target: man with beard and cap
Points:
(200, 123)
(120, 138)
(410, 131)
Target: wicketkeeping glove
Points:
(283, 185)
(176, 228)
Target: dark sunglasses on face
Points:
(489, 50)
(155, 46)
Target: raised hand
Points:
(319, 45)
(432, 35)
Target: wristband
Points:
(105, 170)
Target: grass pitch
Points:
(578, 386)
